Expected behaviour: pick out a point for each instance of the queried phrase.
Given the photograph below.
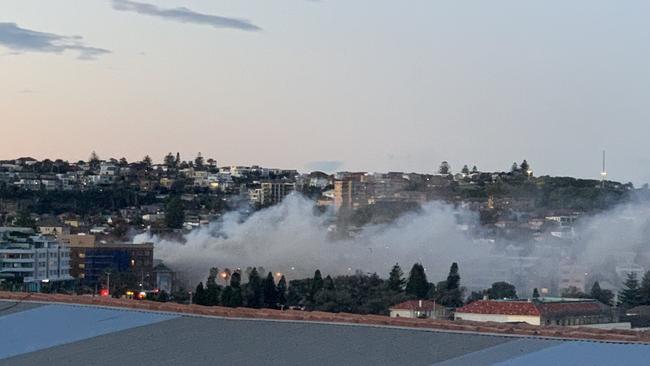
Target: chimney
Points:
(419, 303)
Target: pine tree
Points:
(514, 167)
(226, 296)
(199, 295)
(94, 161)
(474, 169)
(396, 279)
(445, 168)
(212, 277)
(630, 296)
(270, 292)
(254, 291)
(604, 296)
(198, 162)
(169, 161)
(451, 294)
(417, 284)
(645, 289)
(524, 166)
(146, 161)
(174, 213)
(316, 283)
(282, 291)
(465, 169)
(453, 279)
(212, 294)
(535, 293)
(236, 298)
(328, 283)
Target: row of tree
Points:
(357, 293)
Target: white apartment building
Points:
(32, 259)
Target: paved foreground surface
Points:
(57, 334)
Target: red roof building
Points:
(538, 312)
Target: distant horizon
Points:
(342, 167)
(371, 84)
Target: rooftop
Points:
(116, 332)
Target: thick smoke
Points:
(291, 239)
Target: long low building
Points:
(543, 311)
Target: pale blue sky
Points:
(375, 84)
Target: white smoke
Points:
(291, 239)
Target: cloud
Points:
(184, 15)
(20, 40)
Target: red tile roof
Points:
(554, 309)
(500, 307)
(427, 305)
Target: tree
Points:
(465, 169)
(502, 290)
(123, 162)
(270, 292)
(199, 297)
(282, 291)
(316, 284)
(93, 160)
(235, 296)
(445, 168)
(524, 166)
(417, 284)
(573, 293)
(24, 219)
(212, 277)
(198, 162)
(604, 296)
(169, 161)
(396, 279)
(474, 169)
(212, 294)
(630, 296)
(535, 293)
(254, 291)
(514, 167)
(644, 288)
(450, 294)
(174, 213)
(178, 161)
(146, 161)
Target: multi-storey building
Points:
(274, 192)
(91, 260)
(351, 192)
(30, 260)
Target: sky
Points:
(369, 85)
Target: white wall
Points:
(534, 320)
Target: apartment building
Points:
(29, 260)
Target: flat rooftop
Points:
(35, 332)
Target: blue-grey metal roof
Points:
(86, 335)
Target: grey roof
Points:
(87, 335)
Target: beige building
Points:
(271, 193)
(546, 311)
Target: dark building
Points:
(90, 261)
